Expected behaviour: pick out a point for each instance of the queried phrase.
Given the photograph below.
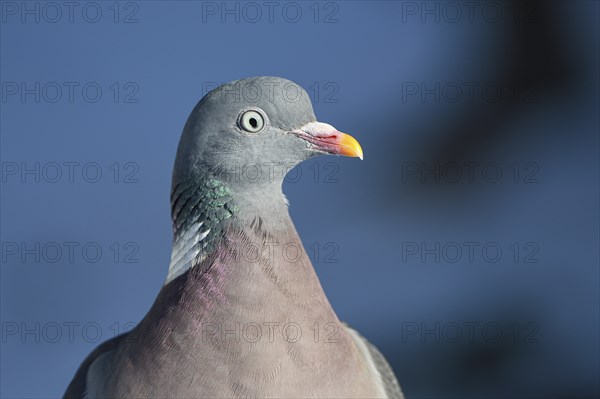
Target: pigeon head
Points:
(252, 131)
(238, 144)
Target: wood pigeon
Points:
(242, 312)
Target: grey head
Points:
(236, 147)
(258, 121)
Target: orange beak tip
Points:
(350, 147)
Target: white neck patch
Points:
(186, 251)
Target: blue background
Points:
(359, 61)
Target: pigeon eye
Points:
(252, 121)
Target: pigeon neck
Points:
(203, 208)
(237, 260)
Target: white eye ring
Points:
(252, 121)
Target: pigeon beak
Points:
(326, 138)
